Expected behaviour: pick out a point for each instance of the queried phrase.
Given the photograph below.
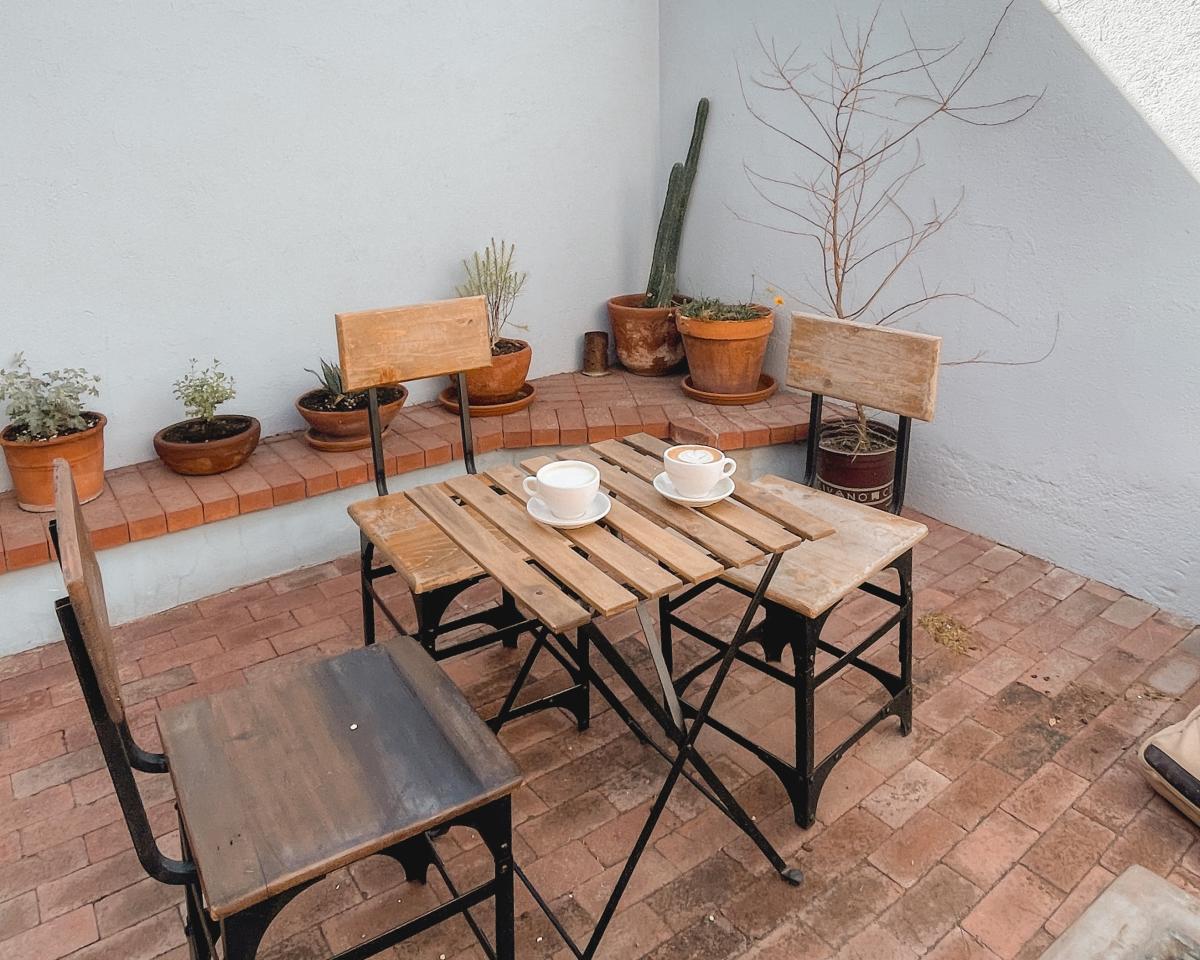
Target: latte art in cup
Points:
(695, 469)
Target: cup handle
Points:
(531, 490)
(728, 466)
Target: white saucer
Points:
(663, 484)
(541, 513)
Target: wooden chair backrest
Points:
(85, 588)
(376, 347)
(878, 367)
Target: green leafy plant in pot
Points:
(337, 417)
(855, 123)
(47, 423)
(207, 442)
(645, 335)
(491, 275)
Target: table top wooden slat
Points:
(286, 780)
(713, 536)
(801, 522)
(613, 555)
(529, 587)
(746, 521)
(547, 546)
(687, 560)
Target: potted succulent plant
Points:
(206, 442)
(48, 422)
(644, 333)
(725, 344)
(492, 277)
(338, 418)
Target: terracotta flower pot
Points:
(646, 338)
(865, 477)
(502, 381)
(31, 463)
(201, 458)
(349, 424)
(726, 356)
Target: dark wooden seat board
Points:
(285, 781)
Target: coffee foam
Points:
(693, 455)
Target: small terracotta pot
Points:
(726, 356)
(865, 478)
(208, 456)
(646, 338)
(502, 381)
(348, 424)
(31, 464)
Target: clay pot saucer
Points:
(323, 441)
(766, 387)
(448, 398)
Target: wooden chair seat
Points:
(282, 782)
(815, 575)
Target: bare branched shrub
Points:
(855, 120)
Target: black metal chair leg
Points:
(804, 655)
(664, 630)
(495, 827)
(243, 932)
(904, 706)
(366, 554)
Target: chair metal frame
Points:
(781, 628)
(505, 618)
(241, 934)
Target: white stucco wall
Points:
(218, 178)
(1084, 211)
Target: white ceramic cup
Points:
(567, 487)
(695, 469)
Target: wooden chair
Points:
(381, 347)
(280, 783)
(884, 369)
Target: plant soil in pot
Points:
(647, 340)
(857, 467)
(31, 462)
(201, 447)
(503, 380)
(725, 344)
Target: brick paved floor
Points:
(983, 834)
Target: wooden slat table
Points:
(643, 550)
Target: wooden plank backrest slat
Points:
(527, 584)
(603, 549)
(407, 343)
(85, 587)
(691, 563)
(806, 525)
(714, 537)
(881, 368)
(743, 520)
(546, 546)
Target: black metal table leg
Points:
(666, 711)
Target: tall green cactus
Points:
(660, 288)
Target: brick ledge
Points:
(146, 500)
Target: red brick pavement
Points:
(984, 834)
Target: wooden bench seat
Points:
(819, 573)
(285, 781)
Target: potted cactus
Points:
(644, 332)
(337, 418)
(206, 443)
(47, 423)
(491, 276)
